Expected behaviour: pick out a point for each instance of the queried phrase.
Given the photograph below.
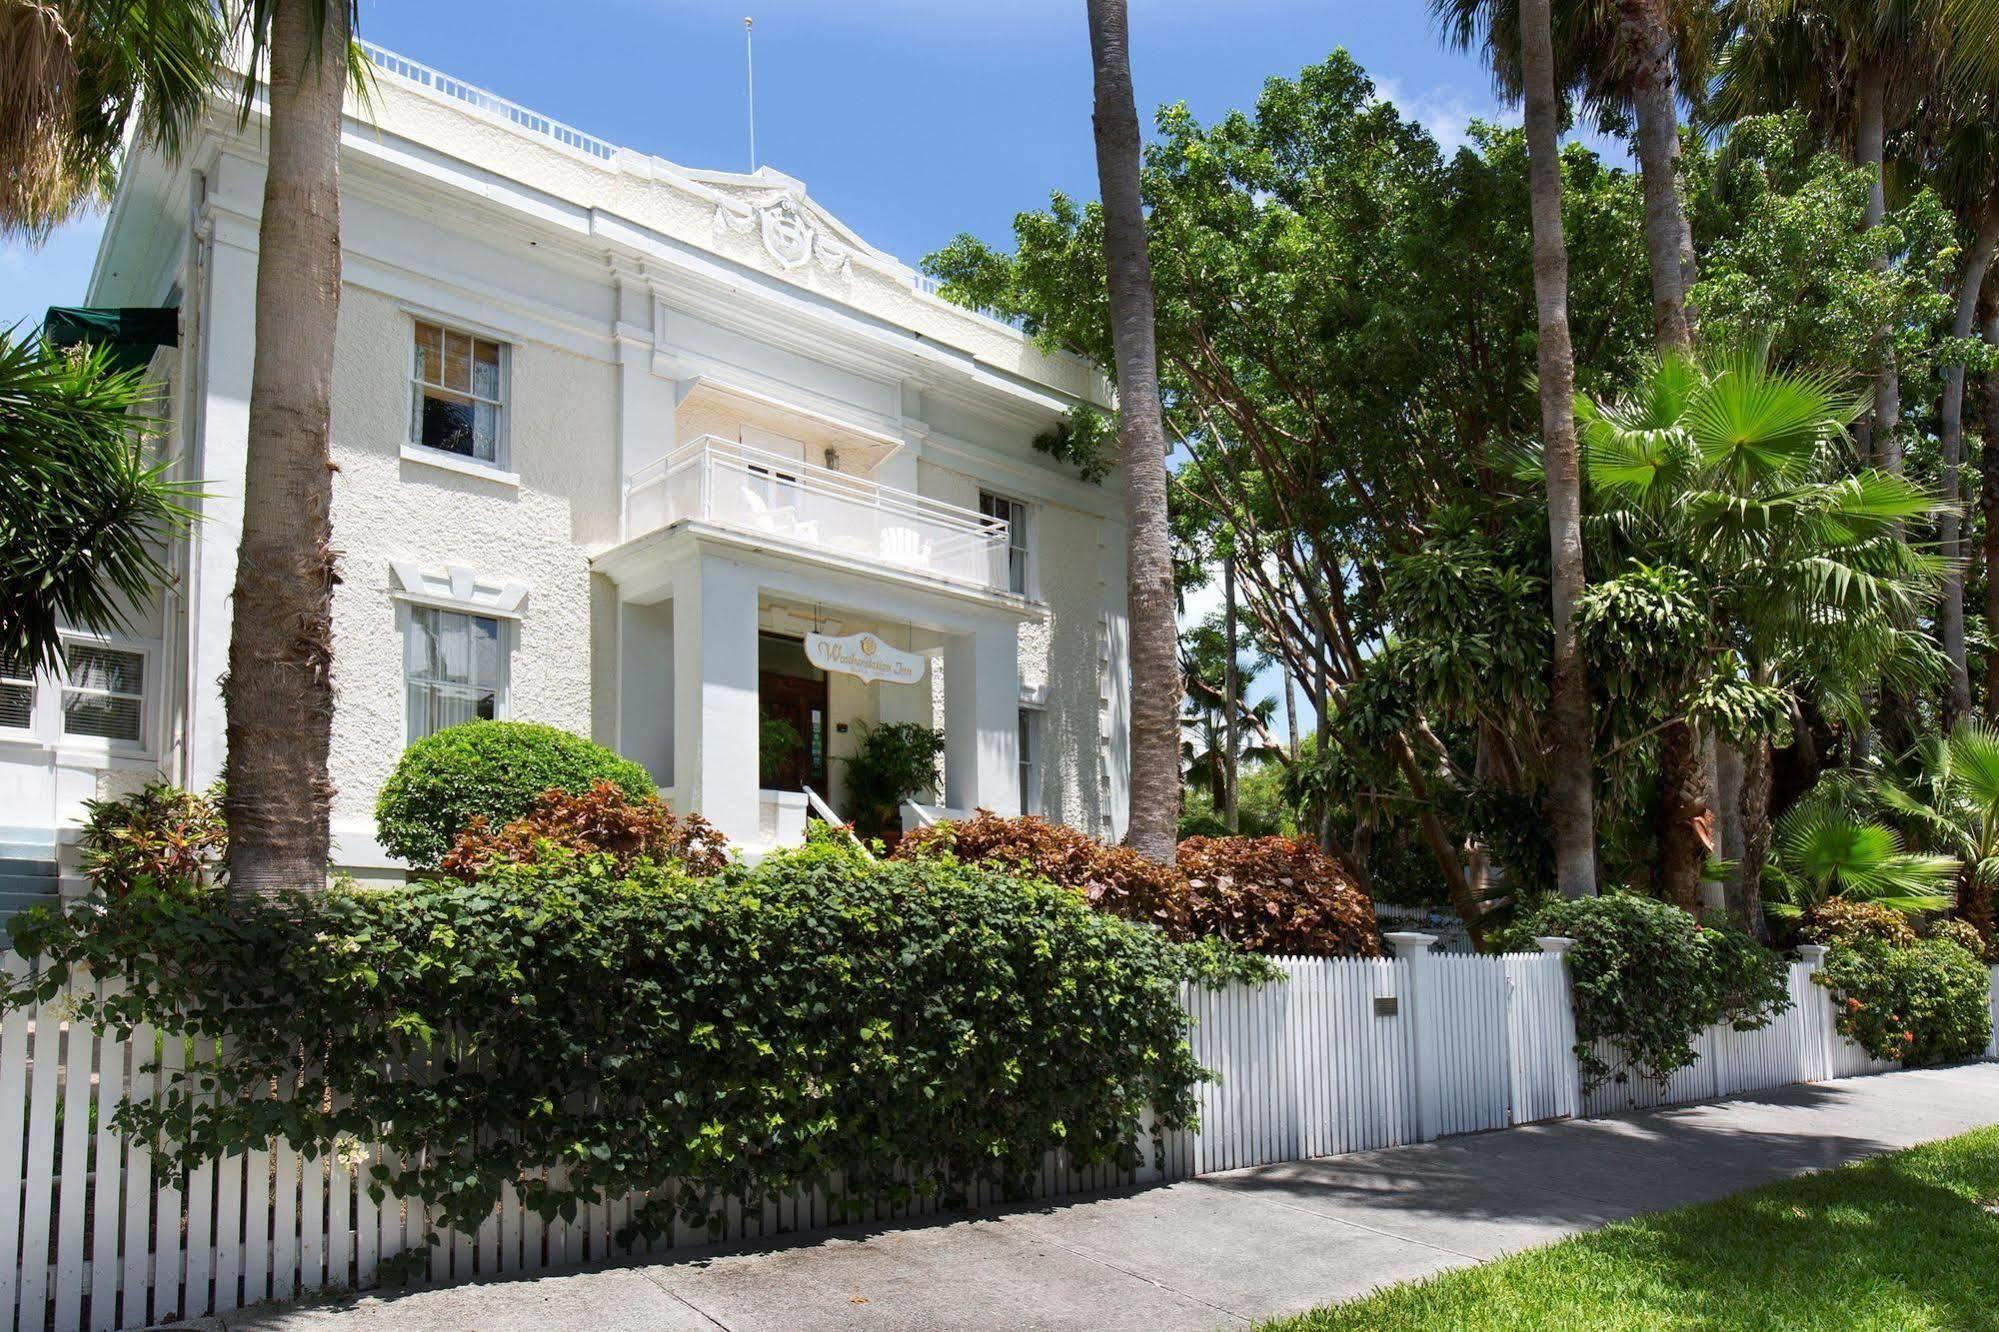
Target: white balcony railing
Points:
(766, 494)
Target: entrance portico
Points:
(698, 612)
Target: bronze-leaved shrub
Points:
(1263, 894)
(603, 819)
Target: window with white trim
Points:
(1030, 761)
(17, 693)
(454, 669)
(104, 692)
(458, 393)
(1014, 514)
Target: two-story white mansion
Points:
(615, 438)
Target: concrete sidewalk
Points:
(1223, 1250)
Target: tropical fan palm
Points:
(1825, 851)
(1740, 474)
(1949, 801)
(1744, 567)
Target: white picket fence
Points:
(1344, 1055)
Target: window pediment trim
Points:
(458, 587)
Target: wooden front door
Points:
(802, 703)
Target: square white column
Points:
(715, 696)
(982, 720)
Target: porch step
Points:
(31, 867)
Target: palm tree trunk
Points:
(1957, 703)
(1869, 150)
(1648, 43)
(279, 694)
(1154, 648)
(1570, 802)
(1232, 686)
(1682, 808)
(1756, 776)
(1988, 506)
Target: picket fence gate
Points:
(1345, 1055)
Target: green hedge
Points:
(1925, 1001)
(915, 1027)
(494, 769)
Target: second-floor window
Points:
(1014, 514)
(458, 393)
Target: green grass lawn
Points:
(1902, 1242)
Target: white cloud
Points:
(1445, 111)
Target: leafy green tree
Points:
(87, 511)
(1347, 343)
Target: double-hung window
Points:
(454, 669)
(1014, 514)
(104, 693)
(458, 393)
(1030, 761)
(17, 693)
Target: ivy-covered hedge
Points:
(1647, 977)
(580, 1033)
(495, 770)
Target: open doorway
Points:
(792, 705)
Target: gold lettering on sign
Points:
(864, 656)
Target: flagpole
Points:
(750, 82)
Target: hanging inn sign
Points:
(866, 656)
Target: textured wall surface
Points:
(385, 508)
(1058, 655)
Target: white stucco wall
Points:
(386, 508)
(1059, 658)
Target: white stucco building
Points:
(613, 437)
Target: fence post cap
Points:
(1554, 943)
(1410, 943)
(1812, 955)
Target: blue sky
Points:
(912, 120)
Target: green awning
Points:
(131, 331)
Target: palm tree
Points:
(1619, 57)
(86, 514)
(1155, 673)
(1965, 170)
(1859, 67)
(160, 55)
(1570, 798)
(1731, 477)
(1949, 802)
(1519, 37)
(1823, 852)
(76, 73)
(279, 694)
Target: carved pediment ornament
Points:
(788, 233)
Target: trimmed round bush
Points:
(494, 770)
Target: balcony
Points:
(762, 494)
